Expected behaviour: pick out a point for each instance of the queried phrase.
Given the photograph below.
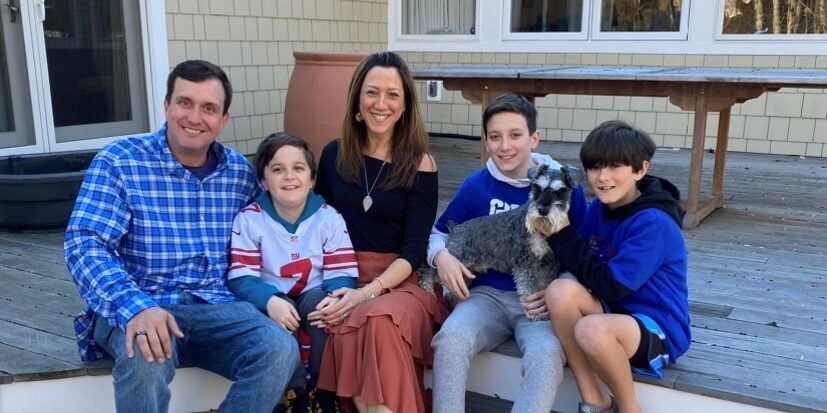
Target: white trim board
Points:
(193, 390)
(498, 375)
(702, 37)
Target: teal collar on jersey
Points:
(314, 202)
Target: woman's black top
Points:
(399, 220)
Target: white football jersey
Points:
(319, 250)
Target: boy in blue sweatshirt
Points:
(490, 311)
(627, 310)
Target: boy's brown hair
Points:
(615, 142)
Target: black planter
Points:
(39, 191)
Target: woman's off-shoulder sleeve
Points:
(419, 217)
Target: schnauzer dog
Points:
(514, 242)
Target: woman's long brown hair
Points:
(409, 142)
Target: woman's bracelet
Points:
(381, 284)
(371, 296)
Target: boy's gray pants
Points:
(487, 319)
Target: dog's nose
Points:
(543, 210)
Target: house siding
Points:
(254, 40)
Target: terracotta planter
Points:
(317, 96)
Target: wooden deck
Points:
(757, 278)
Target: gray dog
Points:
(514, 242)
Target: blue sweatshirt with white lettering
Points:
(481, 194)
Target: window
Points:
(15, 104)
(439, 17)
(93, 53)
(542, 19)
(546, 16)
(774, 17)
(617, 27)
(609, 19)
(73, 73)
(640, 19)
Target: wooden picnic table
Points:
(698, 89)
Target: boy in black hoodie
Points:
(628, 306)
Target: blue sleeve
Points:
(575, 255)
(99, 221)
(457, 210)
(639, 252)
(332, 284)
(251, 288)
(577, 207)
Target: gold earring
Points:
(359, 117)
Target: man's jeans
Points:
(232, 339)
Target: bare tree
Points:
(759, 15)
(821, 15)
(793, 15)
(776, 16)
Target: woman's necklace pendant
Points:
(367, 201)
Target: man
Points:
(147, 248)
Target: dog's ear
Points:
(534, 171)
(574, 175)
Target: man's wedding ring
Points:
(140, 333)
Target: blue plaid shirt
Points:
(144, 231)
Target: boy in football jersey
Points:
(290, 249)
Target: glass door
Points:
(16, 127)
(95, 68)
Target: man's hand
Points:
(283, 313)
(452, 274)
(534, 305)
(150, 329)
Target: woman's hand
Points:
(283, 313)
(335, 308)
(453, 275)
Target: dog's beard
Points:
(545, 225)
(542, 226)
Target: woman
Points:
(380, 177)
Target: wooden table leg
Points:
(720, 157)
(696, 163)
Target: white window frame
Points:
(701, 39)
(759, 38)
(156, 66)
(395, 27)
(597, 34)
(508, 35)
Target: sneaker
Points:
(584, 407)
